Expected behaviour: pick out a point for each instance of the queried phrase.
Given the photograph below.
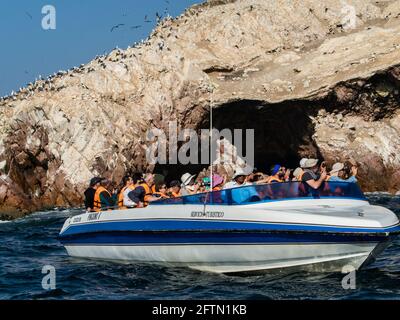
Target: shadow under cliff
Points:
(282, 133)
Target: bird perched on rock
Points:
(161, 45)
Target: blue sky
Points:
(83, 31)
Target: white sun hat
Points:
(239, 172)
(248, 170)
(186, 178)
(303, 162)
(337, 167)
(310, 163)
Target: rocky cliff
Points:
(311, 78)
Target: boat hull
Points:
(321, 235)
(236, 258)
(230, 252)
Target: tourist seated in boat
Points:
(159, 180)
(238, 179)
(189, 185)
(218, 195)
(218, 182)
(105, 197)
(314, 175)
(255, 176)
(337, 174)
(143, 193)
(242, 195)
(128, 184)
(297, 174)
(205, 185)
(90, 192)
(279, 174)
(287, 174)
(174, 189)
(161, 190)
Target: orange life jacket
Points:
(175, 195)
(274, 179)
(97, 201)
(327, 178)
(217, 188)
(121, 196)
(301, 177)
(148, 193)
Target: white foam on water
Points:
(378, 193)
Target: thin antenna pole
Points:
(211, 139)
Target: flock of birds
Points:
(116, 55)
(146, 20)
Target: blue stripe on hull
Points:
(210, 225)
(228, 238)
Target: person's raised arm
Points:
(354, 171)
(315, 184)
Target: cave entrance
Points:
(282, 134)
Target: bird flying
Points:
(146, 19)
(116, 26)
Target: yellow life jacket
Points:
(97, 201)
(273, 179)
(121, 196)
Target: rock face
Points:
(310, 77)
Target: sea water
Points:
(28, 245)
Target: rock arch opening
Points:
(283, 133)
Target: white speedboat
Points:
(252, 228)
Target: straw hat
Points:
(337, 167)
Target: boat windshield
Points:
(270, 192)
